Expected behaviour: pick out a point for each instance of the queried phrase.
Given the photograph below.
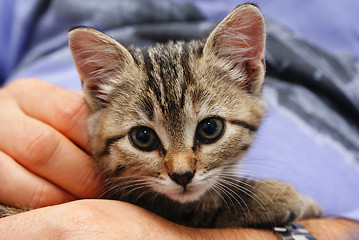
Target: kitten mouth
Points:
(185, 191)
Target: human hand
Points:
(108, 219)
(90, 219)
(43, 144)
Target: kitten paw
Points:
(282, 204)
(312, 209)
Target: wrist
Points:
(235, 233)
(293, 231)
(332, 228)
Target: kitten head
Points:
(172, 117)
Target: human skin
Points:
(45, 152)
(108, 219)
(43, 146)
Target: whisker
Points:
(154, 197)
(237, 198)
(217, 189)
(147, 191)
(239, 181)
(236, 177)
(121, 184)
(136, 187)
(254, 196)
(277, 165)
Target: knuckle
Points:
(22, 83)
(39, 196)
(21, 87)
(71, 111)
(41, 146)
(15, 84)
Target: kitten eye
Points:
(143, 138)
(210, 130)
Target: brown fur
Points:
(170, 89)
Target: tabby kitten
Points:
(170, 122)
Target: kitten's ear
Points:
(98, 59)
(239, 40)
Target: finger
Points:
(15, 191)
(47, 153)
(60, 108)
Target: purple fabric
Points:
(290, 151)
(332, 25)
(16, 18)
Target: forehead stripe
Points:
(109, 143)
(244, 124)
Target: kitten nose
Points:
(182, 178)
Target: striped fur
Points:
(170, 89)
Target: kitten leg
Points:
(265, 203)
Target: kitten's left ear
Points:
(99, 59)
(239, 40)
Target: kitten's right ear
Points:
(98, 59)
